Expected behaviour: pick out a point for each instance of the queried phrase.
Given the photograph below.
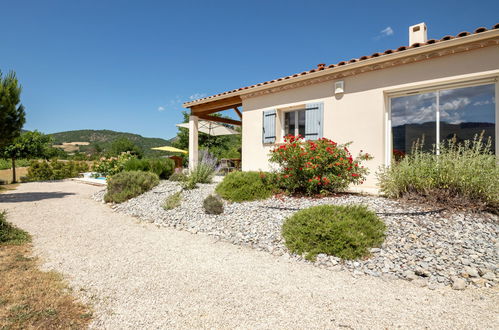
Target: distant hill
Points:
(104, 138)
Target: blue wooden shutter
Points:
(313, 121)
(268, 135)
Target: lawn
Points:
(30, 298)
(7, 174)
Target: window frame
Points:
(297, 121)
(436, 88)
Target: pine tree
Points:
(12, 115)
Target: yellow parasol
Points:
(170, 149)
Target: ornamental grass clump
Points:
(347, 232)
(463, 175)
(245, 186)
(316, 167)
(173, 201)
(202, 172)
(126, 185)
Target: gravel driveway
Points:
(140, 276)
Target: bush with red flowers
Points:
(316, 167)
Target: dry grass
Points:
(32, 299)
(7, 174)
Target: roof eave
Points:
(388, 57)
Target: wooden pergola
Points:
(204, 111)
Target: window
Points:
(306, 121)
(294, 122)
(441, 115)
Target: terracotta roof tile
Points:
(323, 66)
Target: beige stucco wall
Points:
(359, 114)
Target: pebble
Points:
(459, 284)
(421, 242)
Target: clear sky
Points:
(129, 65)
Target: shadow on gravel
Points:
(412, 213)
(31, 197)
(378, 213)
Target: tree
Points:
(222, 146)
(122, 145)
(28, 145)
(12, 116)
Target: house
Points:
(382, 102)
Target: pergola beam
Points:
(216, 106)
(238, 113)
(221, 120)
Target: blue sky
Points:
(129, 65)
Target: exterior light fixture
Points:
(339, 87)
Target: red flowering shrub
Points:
(316, 167)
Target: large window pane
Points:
(413, 119)
(289, 123)
(301, 122)
(467, 111)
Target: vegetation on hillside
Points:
(101, 141)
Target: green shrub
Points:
(245, 186)
(163, 167)
(111, 166)
(126, 185)
(10, 234)
(347, 232)
(213, 205)
(316, 167)
(173, 201)
(464, 174)
(55, 170)
(135, 164)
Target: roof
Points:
(324, 67)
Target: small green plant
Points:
(173, 201)
(202, 173)
(177, 176)
(245, 186)
(463, 175)
(126, 185)
(347, 232)
(212, 204)
(10, 234)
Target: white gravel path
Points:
(140, 276)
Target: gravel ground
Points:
(430, 247)
(139, 275)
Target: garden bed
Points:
(432, 247)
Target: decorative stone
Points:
(435, 246)
(459, 284)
